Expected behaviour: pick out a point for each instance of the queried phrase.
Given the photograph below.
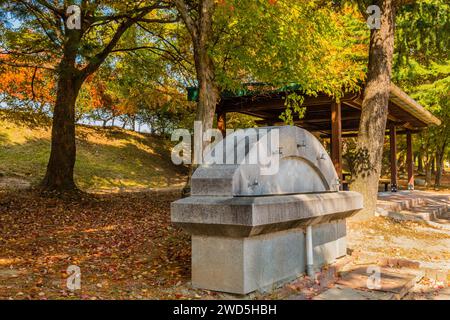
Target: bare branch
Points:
(55, 10)
(176, 19)
(24, 65)
(32, 84)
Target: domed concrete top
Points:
(266, 161)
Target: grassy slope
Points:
(107, 159)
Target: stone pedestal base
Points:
(243, 265)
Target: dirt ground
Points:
(126, 247)
(383, 237)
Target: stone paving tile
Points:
(394, 281)
(414, 206)
(444, 294)
(346, 293)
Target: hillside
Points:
(108, 159)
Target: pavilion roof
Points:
(267, 103)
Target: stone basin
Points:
(250, 216)
(255, 225)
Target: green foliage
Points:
(240, 121)
(282, 42)
(423, 32)
(293, 103)
(422, 67)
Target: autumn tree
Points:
(374, 109)
(147, 85)
(27, 93)
(375, 103)
(76, 37)
(277, 42)
(198, 19)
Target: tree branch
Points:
(32, 84)
(24, 65)
(98, 59)
(190, 24)
(51, 8)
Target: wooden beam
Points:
(354, 133)
(323, 120)
(357, 103)
(409, 160)
(274, 102)
(267, 103)
(336, 137)
(259, 114)
(222, 123)
(393, 147)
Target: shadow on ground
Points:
(124, 245)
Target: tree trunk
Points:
(374, 112)
(440, 164)
(207, 101)
(428, 171)
(208, 90)
(59, 175)
(201, 31)
(420, 163)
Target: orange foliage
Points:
(98, 96)
(27, 84)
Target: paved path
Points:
(415, 206)
(372, 282)
(399, 278)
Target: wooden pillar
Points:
(336, 138)
(222, 123)
(393, 147)
(410, 160)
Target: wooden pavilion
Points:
(335, 120)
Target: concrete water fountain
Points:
(256, 225)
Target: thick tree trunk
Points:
(201, 31)
(208, 91)
(208, 99)
(374, 112)
(59, 175)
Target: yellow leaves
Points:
(8, 262)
